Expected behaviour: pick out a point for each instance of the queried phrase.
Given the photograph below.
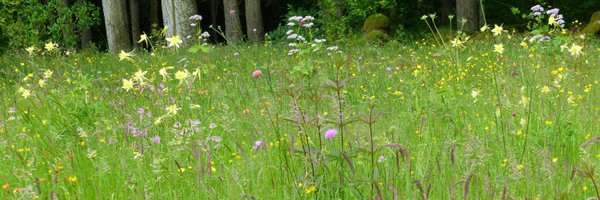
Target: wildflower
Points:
(194, 106)
(139, 75)
(310, 189)
(181, 170)
(475, 93)
(524, 44)
(174, 41)
(143, 38)
(156, 139)
(212, 125)
(537, 8)
(424, 17)
(456, 42)
(332, 48)
(196, 17)
(41, 83)
(50, 46)
(125, 55)
(381, 159)
(575, 50)
(552, 12)
(6, 187)
(24, 92)
(172, 109)
(31, 50)
(72, 179)
(48, 74)
(484, 28)
(182, 75)
(215, 138)
(127, 84)
(499, 48)
(163, 72)
(257, 144)
(497, 30)
(205, 34)
(552, 21)
(257, 73)
(545, 89)
(329, 134)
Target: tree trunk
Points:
(214, 16)
(117, 26)
(155, 13)
(468, 9)
(339, 8)
(254, 21)
(233, 30)
(134, 13)
(67, 31)
(179, 23)
(85, 33)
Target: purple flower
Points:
(156, 139)
(329, 134)
(381, 159)
(257, 144)
(537, 8)
(141, 111)
(12, 110)
(212, 125)
(552, 12)
(215, 138)
(196, 17)
(257, 73)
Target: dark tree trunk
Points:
(134, 16)
(117, 26)
(254, 21)
(68, 34)
(85, 33)
(155, 12)
(214, 17)
(468, 9)
(233, 30)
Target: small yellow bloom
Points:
(30, 50)
(41, 83)
(182, 75)
(499, 48)
(174, 41)
(48, 74)
(127, 84)
(552, 21)
(497, 30)
(548, 122)
(125, 55)
(143, 38)
(181, 170)
(72, 179)
(50, 46)
(172, 109)
(575, 50)
(310, 189)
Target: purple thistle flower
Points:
(156, 139)
(257, 144)
(257, 73)
(329, 134)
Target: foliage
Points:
(376, 21)
(30, 22)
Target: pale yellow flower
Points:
(125, 55)
(484, 28)
(575, 50)
(174, 41)
(172, 109)
(182, 75)
(163, 72)
(50, 46)
(127, 84)
(48, 74)
(143, 38)
(457, 43)
(497, 30)
(139, 76)
(499, 48)
(41, 83)
(24, 92)
(31, 50)
(552, 21)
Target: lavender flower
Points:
(156, 139)
(257, 145)
(329, 134)
(196, 17)
(257, 73)
(553, 12)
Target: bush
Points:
(376, 22)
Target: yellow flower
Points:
(548, 122)
(163, 72)
(457, 43)
(41, 83)
(127, 84)
(139, 76)
(545, 89)
(497, 30)
(50, 46)
(182, 75)
(552, 21)
(172, 109)
(143, 38)
(24, 92)
(174, 41)
(31, 50)
(181, 170)
(72, 179)
(499, 48)
(48, 74)
(575, 50)
(484, 28)
(125, 55)
(310, 189)
(524, 44)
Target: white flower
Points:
(332, 48)
(289, 32)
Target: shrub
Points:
(376, 22)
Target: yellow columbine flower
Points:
(41, 83)
(50, 46)
(163, 72)
(127, 84)
(499, 48)
(143, 38)
(24, 92)
(139, 76)
(497, 30)
(174, 41)
(456, 42)
(125, 55)
(552, 21)
(484, 28)
(31, 50)
(575, 50)
(182, 75)
(172, 109)
(48, 74)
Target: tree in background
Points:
(469, 10)
(233, 29)
(117, 26)
(134, 18)
(176, 14)
(254, 21)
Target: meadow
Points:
(501, 117)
